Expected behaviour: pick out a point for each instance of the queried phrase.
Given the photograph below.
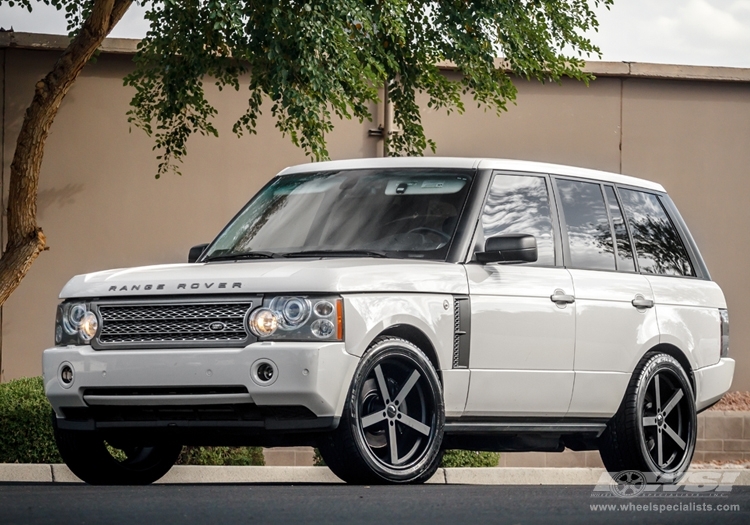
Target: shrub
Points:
(469, 458)
(25, 424)
(221, 456)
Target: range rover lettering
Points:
(385, 310)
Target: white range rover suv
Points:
(385, 310)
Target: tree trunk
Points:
(25, 238)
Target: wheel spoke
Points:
(658, 393)
(416, 425)
(677, 439)
(382, 384)
(392, 444)
(672, 402)
(407, 387)
(649, 421)
(659, 449)
(375, 417)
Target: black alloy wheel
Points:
(655, 429)
(392, 427)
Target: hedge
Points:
(25, 424)
(26, 432)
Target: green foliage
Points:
(319, 59)
(25, 423)
(221, 456)
(469, 458)
(318, 460)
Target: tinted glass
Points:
(625, 260)
(398, 213)
(657, 243)
(587, 223)
(520, 204)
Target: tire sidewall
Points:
(655, 365)
(378, 353)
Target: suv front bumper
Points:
(114, 382)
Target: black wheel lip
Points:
(412, 470)
(659, 365)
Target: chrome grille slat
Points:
(165, 324)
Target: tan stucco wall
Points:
(100, 206)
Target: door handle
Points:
(641, 302)
(560, 297)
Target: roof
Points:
(20, 40)
(473, 163)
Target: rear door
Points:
(615, 318)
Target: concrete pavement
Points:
(182, 474)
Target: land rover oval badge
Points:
(217, 326)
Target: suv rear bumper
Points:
(713, 382)
(200, 388)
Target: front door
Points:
(522, 315)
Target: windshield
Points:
(385, 213)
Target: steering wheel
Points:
(444, 236)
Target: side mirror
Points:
(512, 248)
(195, 252)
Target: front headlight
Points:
(75, 324)
(299, 318)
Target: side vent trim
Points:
(461, 331)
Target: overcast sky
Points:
(698, 32)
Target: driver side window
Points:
(520, 204)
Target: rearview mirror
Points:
(512, 248)
(195, 252)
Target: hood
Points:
(273, 276)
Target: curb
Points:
(183, 474)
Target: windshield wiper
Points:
(337, 253)
(243, 255)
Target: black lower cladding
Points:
(226, 424)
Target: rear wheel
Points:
(93, 460)
(655, 428)
(392, 426)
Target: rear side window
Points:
(520, 204)
(587, 225)
(658, 245)
(625, 261)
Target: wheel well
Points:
(675, 352)
(419, 338)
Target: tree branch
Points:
(25, 238)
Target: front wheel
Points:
(654, 430)
(392, 426)
(90, 458)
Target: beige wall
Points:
(100, 206)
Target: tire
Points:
(88, 457)
(393, 440)
(654, 430)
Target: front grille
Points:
(173, 324)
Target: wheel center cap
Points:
(659, 418)
(391, 410)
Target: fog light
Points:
(265, 372)
(66, 374)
